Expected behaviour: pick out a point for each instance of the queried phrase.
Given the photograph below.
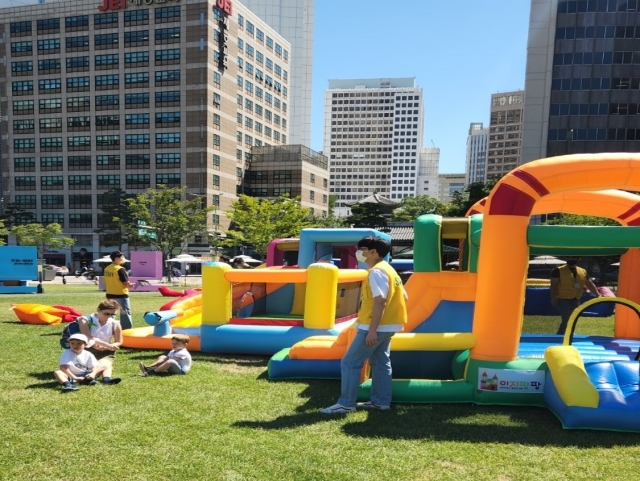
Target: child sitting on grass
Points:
(177, 361)
(77, 365)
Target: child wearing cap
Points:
(177, 361)
(77, 365)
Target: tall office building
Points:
(428, 167)
(582, 78)
(476, 162)
(104, 94)
(449, 184)
(505, 133)
(293, 19)
(372, 136)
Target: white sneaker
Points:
(373, 406)
(337, 409)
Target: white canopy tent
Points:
(187, 259)
(106, 260)
(546, 260)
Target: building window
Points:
(79, 182)
(51, 182)
(167, 35)
(49, 25)
(136, 38)
(167, 14)
(108, 121)
(79, 143)
(105, 20)
(170, 180)
(168, 99)
(282, 176)
(24, 145)
(138, 181)
(80, 220)
(19, 29)
(109, 61)
(168, 160)
(216, 140)
(216, 160)
(78, 84)
(53, 219)
(107, 102)
(136, 59)
(137, 161)
(48, 46)
(107, 82)
(167, 57)
(167, 77)
(52, 201)
(108, 162)
(26, 126)
(108, 181)
(24, 87)
(24, 164)
(49, 66)
(25, 183)
(79, 201)
(137, 141)
(136, 80)
(79, 162)
(171, 118)
(25, 201)
(22, 68)
(216, 181)
(136, 101)
(259, 176)
(51, 144)
(136, 121)
(77, 44)
(76, 64)
(281, 191)
(106, 40)
(21, 48)
(51, 163)
(259, 192)
(80, 22)
(168, 140)
(136, 17)
(107, 142)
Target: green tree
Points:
(462, 201)
(42, 236)
(413, 207)
(169, 220)
(257, 222)
(16, 215)
(369, 214)
(3, 232)
(117, 220)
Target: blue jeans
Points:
(351, 366)
(566, 307)
(125, 312)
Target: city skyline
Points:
(474, 53)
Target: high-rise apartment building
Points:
(372, 136)
(505, 133)
(476, 162)
(582, 78)
(428, 167)
(131, 94)
(293, 19)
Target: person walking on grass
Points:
(77, 365)
(383, 312)
(177, 361)
(105, 337)
(116, 281)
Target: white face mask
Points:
(360, 256)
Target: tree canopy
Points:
(168, 220)
(413, 207)
(3, 232)
(462, 201)
(16, 215)
(257, 222)
(42, 236)
(369, 214)
(117, 219)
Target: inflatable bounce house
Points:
(464, 342)
(262, 311)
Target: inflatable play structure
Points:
(464, 343)
(19, 265)
(43, 314)
(262, 311)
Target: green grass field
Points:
(226, 420)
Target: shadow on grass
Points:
(43, 376)
(531, 426)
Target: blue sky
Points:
(459, 52)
